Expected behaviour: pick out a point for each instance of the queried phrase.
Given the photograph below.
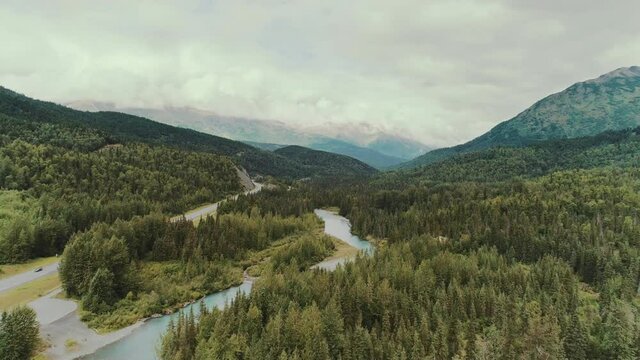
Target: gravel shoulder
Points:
(66, 335)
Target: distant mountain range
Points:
(366, 155)
(609, 102)
(376, 148)
(21, 116)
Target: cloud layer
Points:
(441, 71)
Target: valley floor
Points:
(68, 337)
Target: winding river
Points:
(142, 343)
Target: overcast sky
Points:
(441, 71)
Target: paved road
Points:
(209, 209)
(25, 277)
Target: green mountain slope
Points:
(108, 127)
(366, 155)
(610, 102)
(378, 149)
(612, 148)
(324, 163)
(370, 157)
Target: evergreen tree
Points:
(576, 342)
(19, 334)
(101, 294)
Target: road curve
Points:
(210, 209)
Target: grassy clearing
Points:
(14, 269)
(70, 344)
(589, 308)
(258, 262)
(29, 291)
(166, 287)
(343, 250)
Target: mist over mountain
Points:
(372, 146)
(609, 102)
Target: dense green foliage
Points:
(587, 218)
(18, 334)
(322, 163)
(172, 179)
(584, 109)
(115, 268)
(43, 122)
(415, 300)
(17, 209)
(303, 253)
(613, 148)
(68, 190)
(541, 268)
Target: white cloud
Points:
(442, 71)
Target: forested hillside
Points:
(61, 191)
(59, 177)
(325, 163)
(63, 126)
(609, 102)
(611, 148)
(61, 170)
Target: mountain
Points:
(108, 127)
(619, 149)
(366, 155)
(398, 146)
(324, 163)
(264, 146)
(609, 102)
(371, 146)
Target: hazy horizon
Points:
(436, 71)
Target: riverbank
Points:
(69, 337)
(66, 336)
(143, 342)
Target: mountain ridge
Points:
(326, 163)
(114, 127)
(380, 150)
(608, 102)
